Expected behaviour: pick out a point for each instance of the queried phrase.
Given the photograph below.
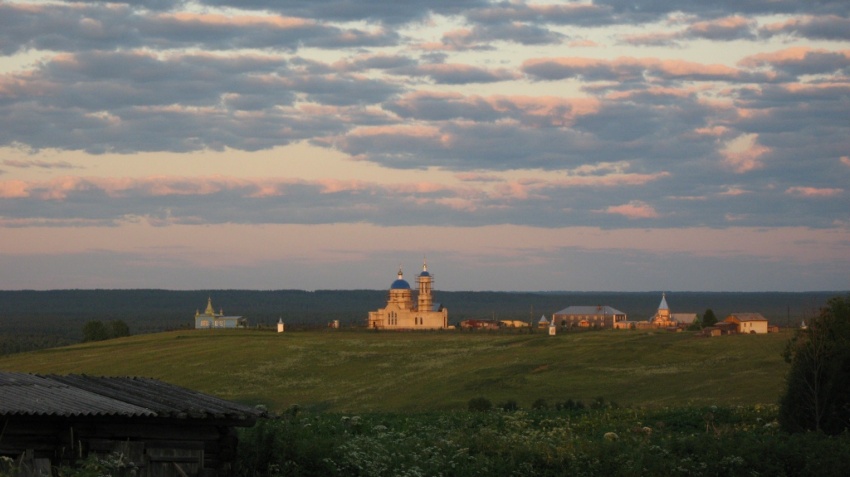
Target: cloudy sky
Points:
(517, 145)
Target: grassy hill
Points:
(370, 371)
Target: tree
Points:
(708, 318)
(95, 330)
(817, 394)
(118, 329)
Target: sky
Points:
(603, 145)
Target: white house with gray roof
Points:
(599, 316)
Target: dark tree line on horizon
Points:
(56, 317)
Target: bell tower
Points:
(425, 302)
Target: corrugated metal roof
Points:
(748, 316)
(589, 310)
(81, 395)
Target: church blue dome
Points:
(424, 274)
(400, 284)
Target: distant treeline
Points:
(63, 313)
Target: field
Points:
(367, 371)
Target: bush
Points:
(479, 404)
(96, 330)
(540, 404)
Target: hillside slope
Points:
(371, 371)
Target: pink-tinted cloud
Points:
(396, 130)
(832, 27)
(681, 68)
(744, 154)
(609, 180)
(217, 20)
(14, 189)
(583, 44)
(786, 55)
(515, 190)
(713, 131)
(723, 28)
(635, 209)
(814, 192)
(547, 106)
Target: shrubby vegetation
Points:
(606, 441)
(817, 396)
(96, 330)
(14, 343)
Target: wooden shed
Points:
(157, 428)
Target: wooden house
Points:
(159, 429)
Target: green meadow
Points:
(363, 371)
(367, 371)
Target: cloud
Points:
(442, 73)
(490, 96)
(744, 154)
(634, 210)
(800, 60)
(824, 27)
(628, 69)
(728, 28)
(37, 163)
(482, 36)
(815, 192)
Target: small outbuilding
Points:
(479, 324)
(159, 429)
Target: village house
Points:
(720, 328)
(209, 319)
(162, 429)
(748, 322)
(401, 314)
(600, 316)
(480, 324)
(513, 324)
